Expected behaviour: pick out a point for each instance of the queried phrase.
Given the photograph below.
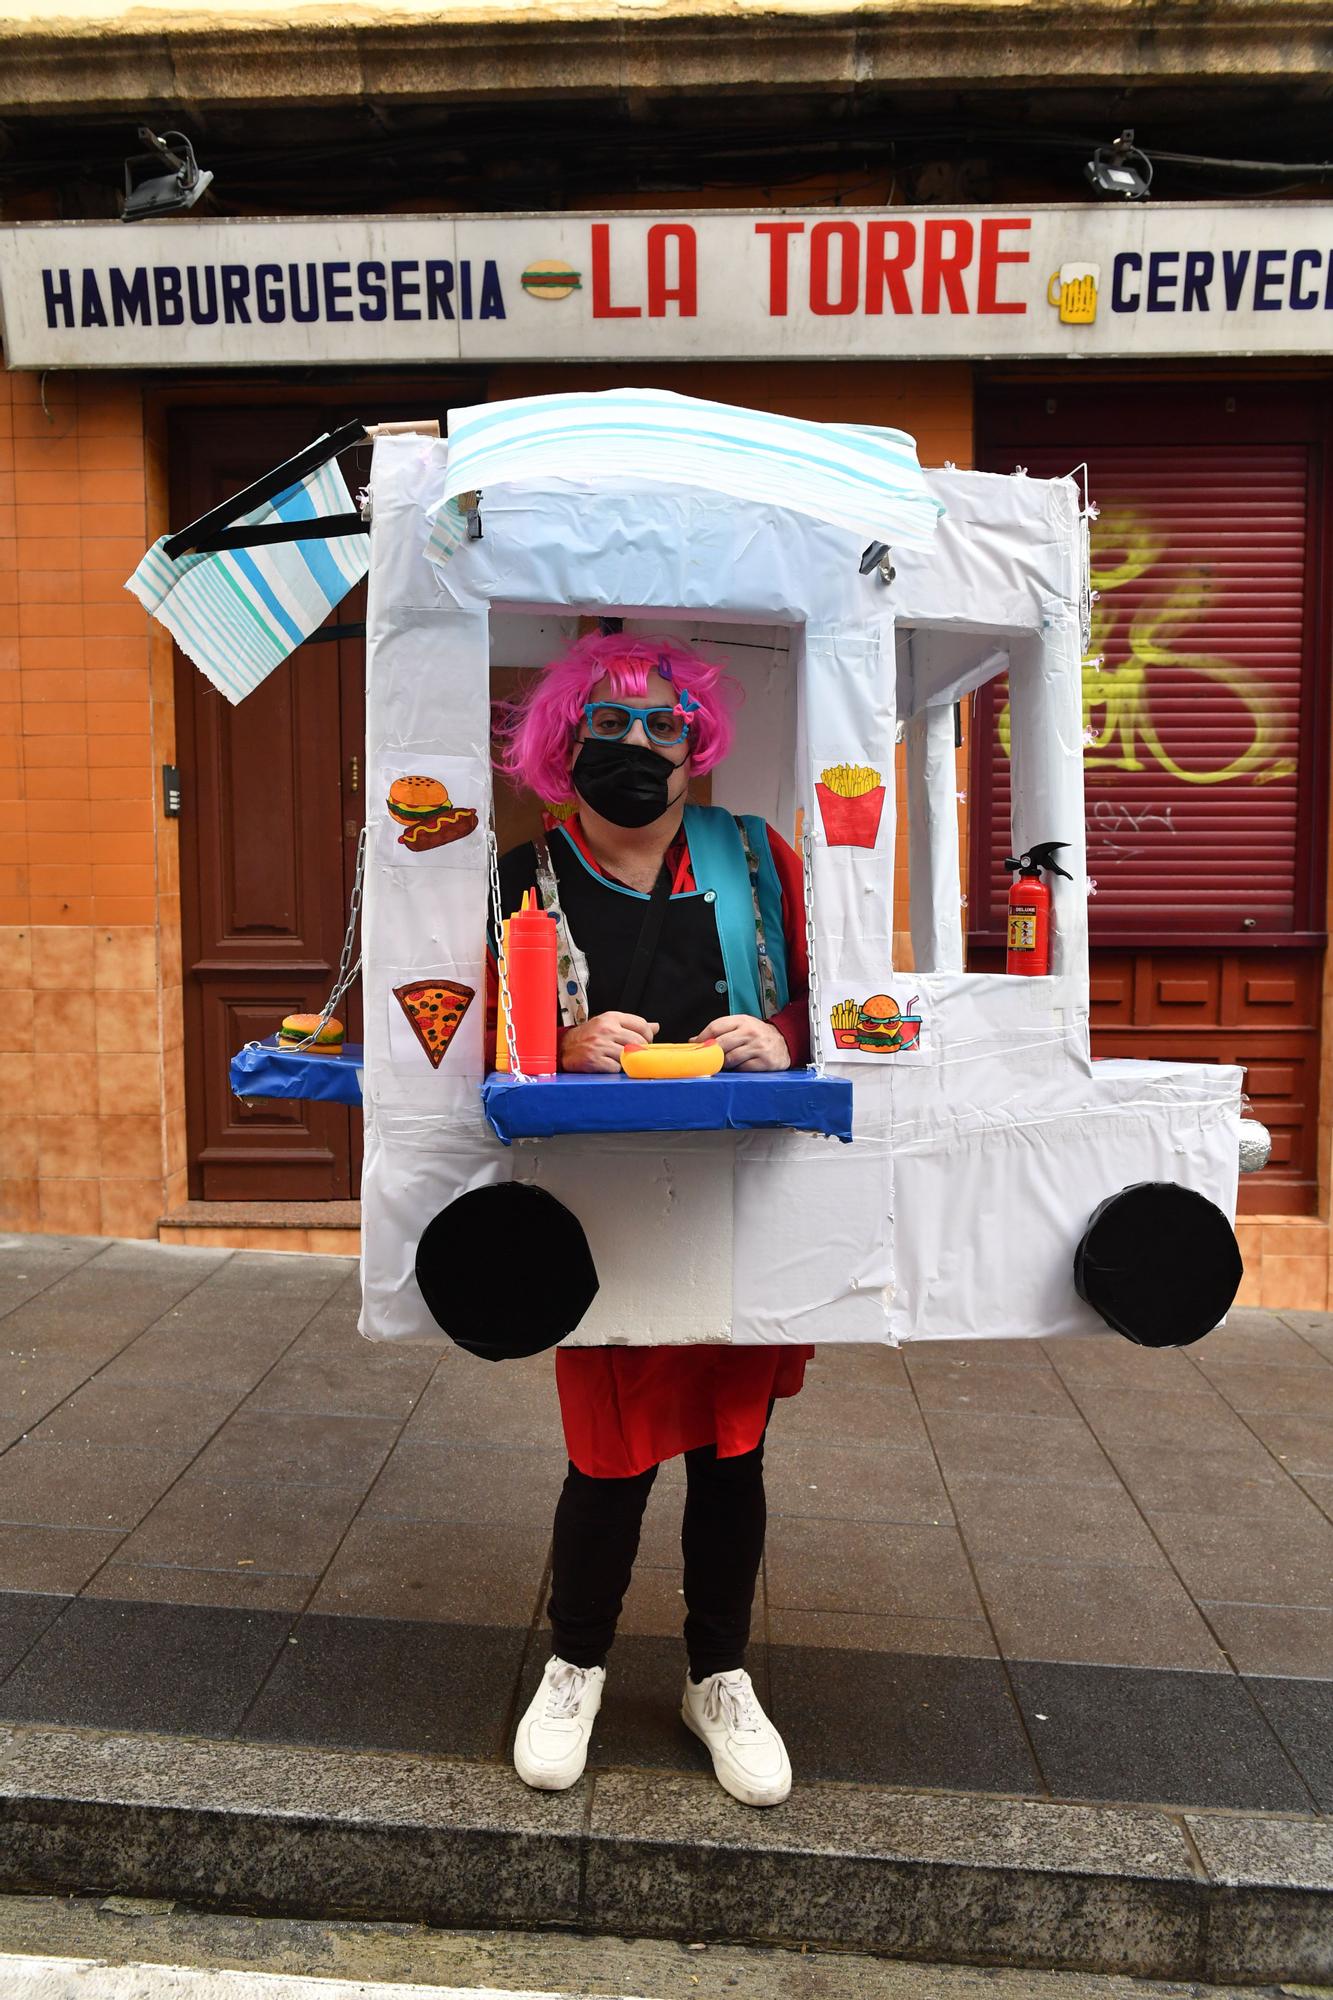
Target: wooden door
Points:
(272, 800)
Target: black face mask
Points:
(624, 783)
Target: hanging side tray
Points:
(732, 1101)
(262, 1069)
(550, 1107)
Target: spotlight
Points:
(1121, 169)
(163, 194)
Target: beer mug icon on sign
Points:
(1074, 289)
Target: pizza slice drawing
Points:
(434, 1008)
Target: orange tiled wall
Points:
(1286, 1262)
(88, 895)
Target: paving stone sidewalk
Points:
(1061, 1569)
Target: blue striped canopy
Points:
(868, 481)
(238, 613)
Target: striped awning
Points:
(865, 480)
(239, 613)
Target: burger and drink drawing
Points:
(877, 1026)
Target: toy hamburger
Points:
(295, 1029)
(879, 1025)
(428, 818)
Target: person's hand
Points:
(747, 1042)
(596, 1044)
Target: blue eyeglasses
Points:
(611, 721)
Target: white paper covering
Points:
(854, 476)
(979, 1155)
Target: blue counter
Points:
(733, 1100)
(546, 1107)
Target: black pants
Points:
(597, 1524)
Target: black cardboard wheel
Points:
(506, 1270)
(1160, 1263)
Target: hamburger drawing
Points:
(877, 1025)
(882, 1029)
(426, 814)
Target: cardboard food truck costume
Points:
(953, 1163)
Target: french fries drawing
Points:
(851, 802)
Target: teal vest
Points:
(720, 863)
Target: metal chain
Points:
(347, 972)
(502, 969)
(816, 1016)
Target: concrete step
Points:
(936, 1876)
(327, 1228)
(24, 1978)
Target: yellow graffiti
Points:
(1125, 548)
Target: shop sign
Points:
(1080, 281)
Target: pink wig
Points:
(537, 733)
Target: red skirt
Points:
(626, 1408)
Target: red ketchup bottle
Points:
(531, 968)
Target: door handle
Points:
(355, 785)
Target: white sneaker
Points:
(551, 1747)
(749, 1756)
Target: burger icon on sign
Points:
(550, 278)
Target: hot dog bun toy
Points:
(672, 1059)
(294, 1030)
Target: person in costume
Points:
(677, 922)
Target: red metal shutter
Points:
(1195, 772)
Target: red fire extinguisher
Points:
(1030, 909)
